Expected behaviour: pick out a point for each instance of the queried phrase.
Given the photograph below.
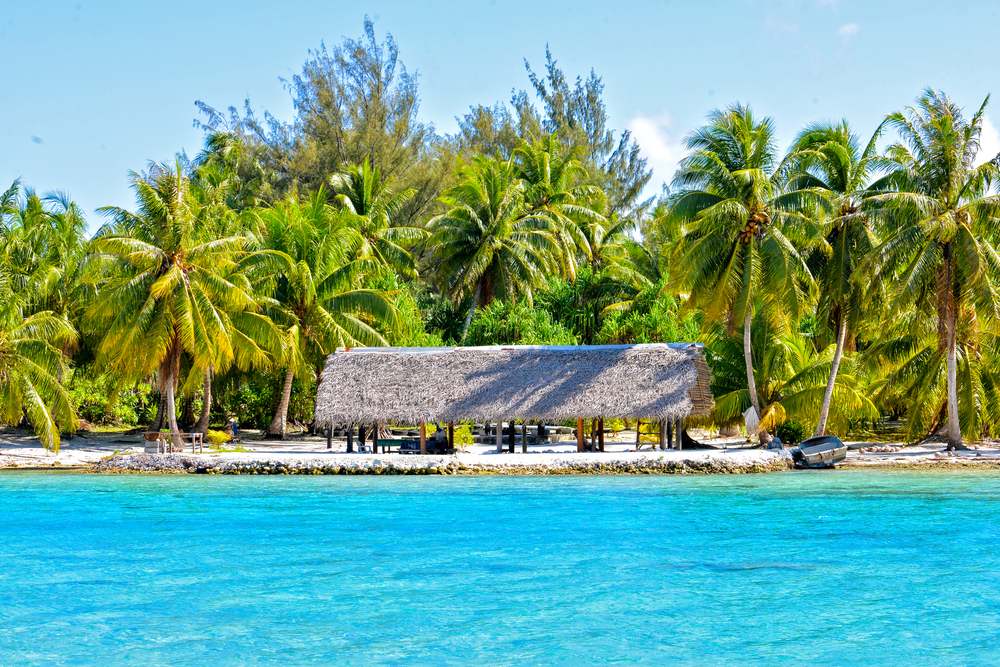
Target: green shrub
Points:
(792, 432)
(91, 396)
(516, 324)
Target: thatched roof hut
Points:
(550, 383)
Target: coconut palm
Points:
(30, 363)
(370, 206)
(939, 213)
(552, 179)
(791, 376)
(165, 291)
(829, 161)
(490, 244)
(317, 288)
(738, 249)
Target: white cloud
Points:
(659, 144)
(849, 30)
(989, 142)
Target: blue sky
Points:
(93, 89)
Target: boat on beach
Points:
(819, 452)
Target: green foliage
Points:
(217, 437)
(653, 317)
(792, 432)
(507, 323)
(101, 401)
(463, 435)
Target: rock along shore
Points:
(651, 463)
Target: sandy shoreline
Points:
(120, 452)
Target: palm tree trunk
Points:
(276, 430)
(161, 410)
(472, 309)
(175, 432)
(824, 411)
(949, 311)
(765, 437)
(206, 404)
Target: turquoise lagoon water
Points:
(842, 568)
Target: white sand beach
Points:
(20, 449)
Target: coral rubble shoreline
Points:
(668, 463)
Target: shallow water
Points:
(841, 568)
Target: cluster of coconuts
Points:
(880, 449)
(755, 226)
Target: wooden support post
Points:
(500, 437)
(510, 433)
(361, 437)
(423, 437)
(451, 436)
(670, 434)
(680, 434)
(638, 434)
(600, 432)
(350, 438)
(329, 435)
(663, 434)
(524, 436)
(579, 434)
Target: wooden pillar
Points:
(663, 434)
(511, 429)
(524, 436)
(600, 433)
(500, 437)
(451, 436)
(579, 435)
(670, 434)
(638, 434)
(329, 435)
(350, 438)
(423, 437)
(361, 437)
(680, 434)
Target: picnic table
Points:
(411, 446)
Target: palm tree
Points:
(552, 179)
(939, 212)
(370, 206)
(317, 288)
(738, 250)
(30, 362)
(489, 243)
(166, 291)
(792, 378)
(829, 161)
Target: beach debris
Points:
(881, 449)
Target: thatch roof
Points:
(552, 383)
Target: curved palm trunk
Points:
(276, 430)
(824, 412)
(206, 404)
(472, 310)
(765, 437)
